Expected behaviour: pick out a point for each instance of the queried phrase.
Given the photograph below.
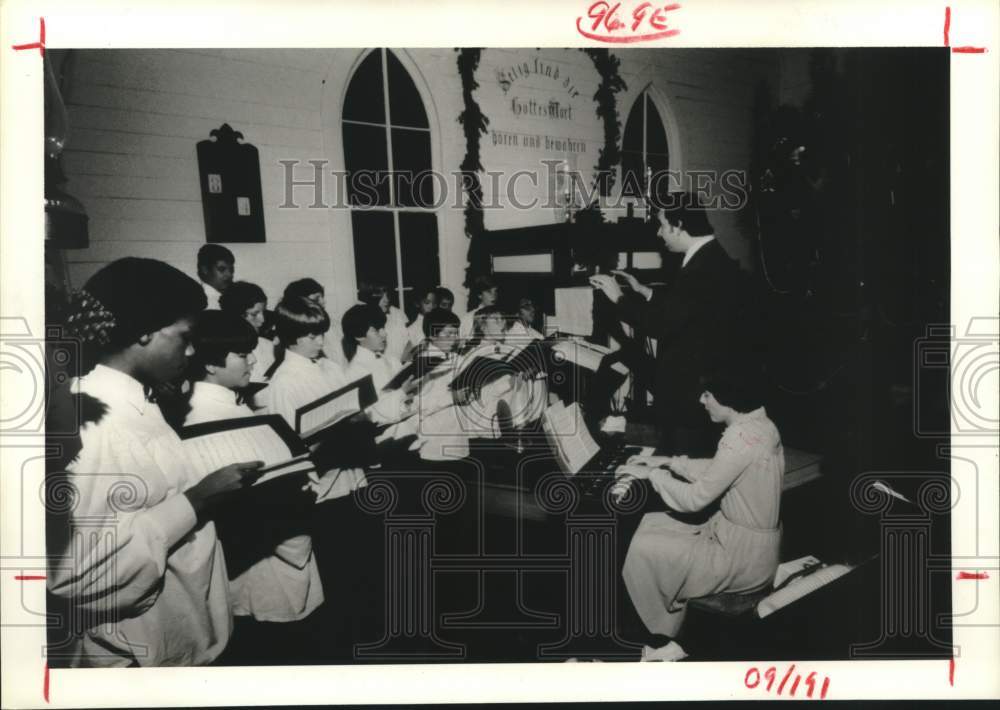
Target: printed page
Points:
(256, 443)
(330, 413)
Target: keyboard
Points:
(599, 472)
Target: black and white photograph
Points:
(613, 354)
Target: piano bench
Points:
(731, 604)
(801, 469)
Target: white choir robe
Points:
(153, 568)
(519, 332)
(297, 382)
(415, 331)
(466, 324)
(669, 562)
(212, 294)
(445, 428)
(396, 333)
(263, 359)
(382, 367)
(286, 585)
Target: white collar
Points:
(364, 356)
(433, 350)
(211, 290)
(699, 242)
(107, 383)
(213, 392)
(298, 360)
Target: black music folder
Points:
(313, 420)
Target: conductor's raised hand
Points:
(634, 284)
(217, 484)
(607, 284)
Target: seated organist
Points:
(669, 561)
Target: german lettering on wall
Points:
(543, 123)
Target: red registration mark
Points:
(625, 23)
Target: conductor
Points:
(693, 321)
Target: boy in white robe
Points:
(284, 586)
(305, 374)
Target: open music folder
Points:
(312, 420)
(266, 438)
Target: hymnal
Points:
(212, 445)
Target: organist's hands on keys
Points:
(639, 468)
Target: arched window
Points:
(387, 152)
(644, 146)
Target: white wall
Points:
(135, 119)
(136, 116)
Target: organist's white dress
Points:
(669, 562)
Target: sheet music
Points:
(575, 310)
(573, 442)
(799, 588)
(211, 452)
(330, 412)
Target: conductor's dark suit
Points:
(694, 320)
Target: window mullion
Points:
(392, 180)
(645, 157)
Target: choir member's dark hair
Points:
(371, 293)
(437, 320)
(683, 208)
(444, 293)
(296, 317)
(419, 294)
(127, 299)
(215, 335)
(211, 254)
(355, 324)
(481, 284)
(737, 388)
(240, 297)
(303, 288)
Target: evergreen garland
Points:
(607, 110)
(474, 124)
